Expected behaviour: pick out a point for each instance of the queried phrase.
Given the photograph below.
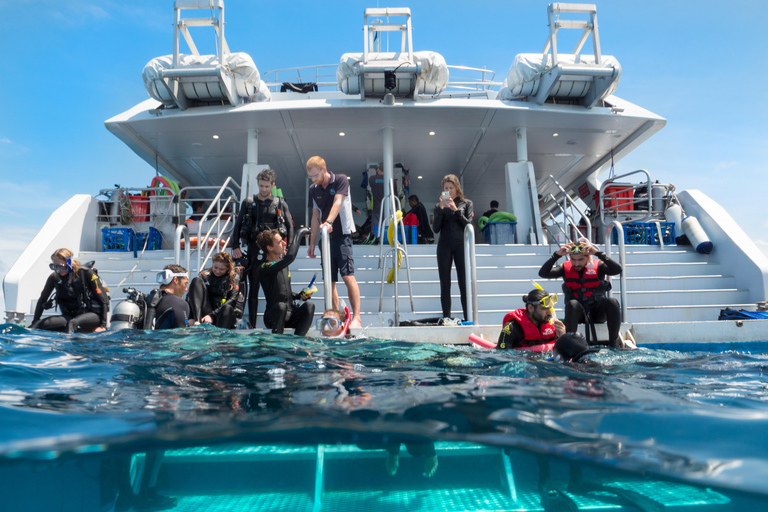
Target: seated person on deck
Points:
(214, 296)
(585, 288)
(275, 279)
(534, 325)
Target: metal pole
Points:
(622, 258)
(470, 273)
(389, 150)
(325, 255)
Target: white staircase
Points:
(672, 284)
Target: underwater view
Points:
(209, 419)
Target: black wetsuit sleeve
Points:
(50, 284)
(97, 294)
(270, 269)
(286, 213)
(464, 216)
(437, 222)
(547, 272)
(607, 266)
(511, 336)
(235, 244)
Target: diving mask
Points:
(548, 301)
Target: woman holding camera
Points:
(83, 303)
(451, 216)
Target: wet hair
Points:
(266, 175)
(315, 161)
(452, 178)
(413, 197)
(226, 259)
(534, 296)
(266, 238)
(66, 255)
(335, 312)
(494, 204)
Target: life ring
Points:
(481, 342)
(391, 237)
(496, 217)
(391, 275)
(171, 187)
(211, 242)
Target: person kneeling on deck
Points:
(534, 325)
(214, 296)
(275, 280)
(585, 288)
(83, 300)
(167, 309)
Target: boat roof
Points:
(473, 138)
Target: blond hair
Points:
(454, 180)
(66, 255)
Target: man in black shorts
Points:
(331, 206)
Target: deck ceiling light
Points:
(555, 134)
(341, 134)
(215, 136)
(431, 133)
(419, 177)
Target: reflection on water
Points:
(367, 420)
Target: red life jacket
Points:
(584, 285)
(544, 333)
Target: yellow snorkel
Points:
(552, 305)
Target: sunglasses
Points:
(328, 323)
(58, 266)
(546, 302)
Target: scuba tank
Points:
(130, 313)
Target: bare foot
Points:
(393, 462)
(356, 323)
(430, 465)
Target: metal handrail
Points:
(566, 200)
(470, 274)
(622, 258)
(114, 195)
(181, 231)
(567, 218)
(396, 250)
(612, 182)
(325, 257)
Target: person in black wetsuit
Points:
(425, 234)
(275, 278)
(171, 312)
(494, 209)
(214, 295)
(452, 214)
(585, 287)
(83, 302)
(261, 212)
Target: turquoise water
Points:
(267, 422)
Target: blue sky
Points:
(68, 66)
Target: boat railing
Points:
(325, 256)
(470, 274)
(218, 218)
(324, 77)
(181, 232)
(622, 260)
(397, 252)
(567, 220)
(568, 202)
(633, 202)
(134, 205)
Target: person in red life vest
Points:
(532, 325)
(585, 287)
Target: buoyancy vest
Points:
(218, 287)
(544, 333)
(254, 222)
(70, 294)
(584, 286)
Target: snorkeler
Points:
(586, 288)
(533, 326)
(334, 323)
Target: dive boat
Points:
(537, 141)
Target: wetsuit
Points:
(521, 331)
(281, 311)
(256, 216)
(424, 231)
(586, 295)
(213, 296)
(376, 184)
(171, 312)
(83, 303)
(450, 248)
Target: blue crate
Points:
(645, 233)
(153, 240)
(500, 233)
(117, 239)
(411, 234)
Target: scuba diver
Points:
(214, 296)
(532, 326)
(80, 294)
(261, 212)
(281, 311)
(571, 347)
(585, 288)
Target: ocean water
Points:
(265, 422)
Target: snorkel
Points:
(551, 307)
(69, 265)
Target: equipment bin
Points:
(646, 233)
(499, 233)
(153, 240)
(116, 239)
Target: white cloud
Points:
(5, 140)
